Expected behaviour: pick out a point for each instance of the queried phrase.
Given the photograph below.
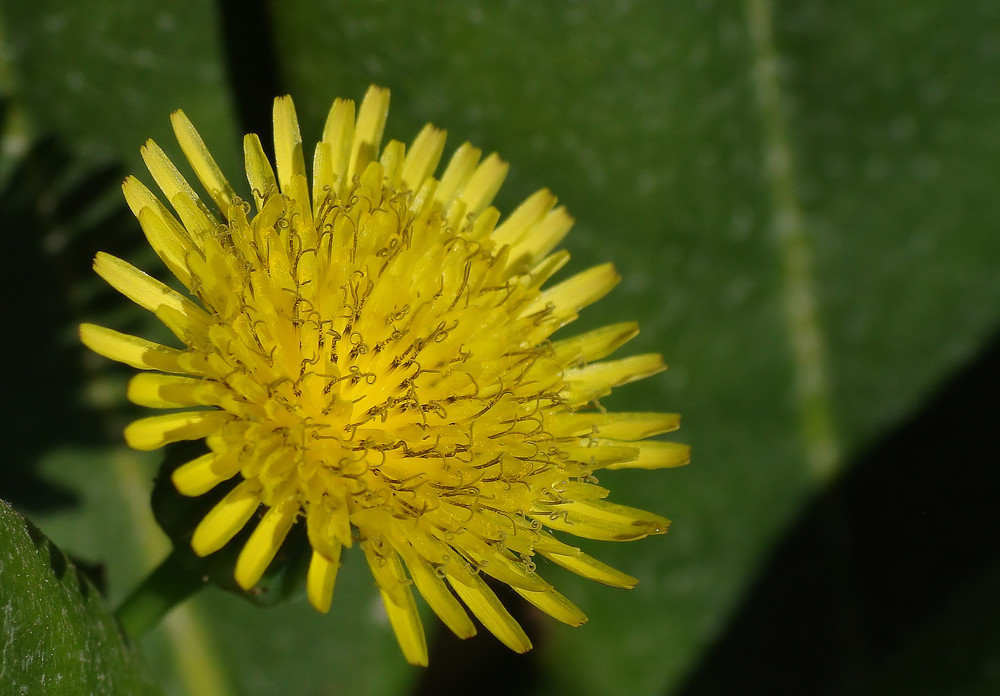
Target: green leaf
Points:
(105, 77)
(58, 635)
(801, 199)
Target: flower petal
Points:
(656, 454)
(264, 542)
(193, 214)
(151, 433)
(287, 144)
(600, 520)
(519, 225)
(260, 176)
(592, 569)
(423, 157)
(555, 605)
(131, 350)
(337, 135)
(398, 601)
(488, 609)
(226, 519)
(164, 233)
(615, 425)
(145, 291)
(484, 183)
(436, 593)
(321, 579)
(204, 165)
(201, 475)
(565, 299)
(595, 344)
(460, 167)
(589, 382)
(157, 390)
(368, 132)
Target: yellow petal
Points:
(657, 455)
(522, 221)
(260, 176)
(459, 169)
(226, 519)
(131, 350)
(488, 609)
(204, 165)
(636, 426)
(398, 601)
(484, 183)
(600, 456)
(437, 595)
(555, 605)
(368, 133)
(169, 244)
(156, 390)
(165, 234)
(600, 520)
(545, 236)
(337, 135)
(175, 187)
(145, 291)
(321, 579)
(156, 431)
(264, 543)
(496, 564)
(596, 380)
(201, 475)
(323, 178)
(405, 621)
(287, 144)
(196, 218)
(391, 160)
(569, 296)
(592, 569)
(328, 528)
(423, 157)
(595, 344)
(626, 426)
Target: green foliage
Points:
(58, 635)
(801, 200)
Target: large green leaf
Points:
(106, 77)
(799, 197)
(58, 635)
(799, 200)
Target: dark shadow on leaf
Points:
(50, 206)
(874, 558)
(253, 63)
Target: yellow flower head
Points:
(375, 359)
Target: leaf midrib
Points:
(813, 398)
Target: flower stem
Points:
(172, 582)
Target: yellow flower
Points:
(376, 358)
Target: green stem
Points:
(172, 582)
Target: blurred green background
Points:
(802, 199)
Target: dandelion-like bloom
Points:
(375, 358)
